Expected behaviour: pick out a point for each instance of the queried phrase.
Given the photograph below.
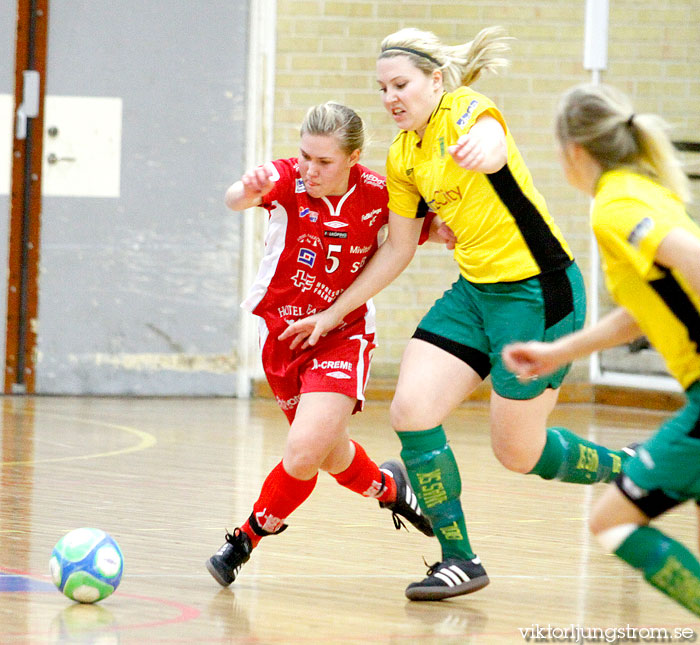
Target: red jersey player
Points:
(326, 211)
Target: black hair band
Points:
(413, 51)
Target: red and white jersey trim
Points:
(274, 245)
(335, 211)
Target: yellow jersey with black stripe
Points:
(503, 228)
(631, 216)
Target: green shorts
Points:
(666, 468)
(475, 321)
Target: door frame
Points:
(259, 137)
(25, 200)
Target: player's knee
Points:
(408, 413)
(611, 538)
(514, 458)
(301, 466)
(399, 412)
(301, 460)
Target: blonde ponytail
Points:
(483, 54)
(601, 119)
(460, 64)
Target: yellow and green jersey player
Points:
(508, 247)
(518, 281)
(503, 228)
(649, 250)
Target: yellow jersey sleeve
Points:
(632, 232)
(467, 109)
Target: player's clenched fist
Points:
(257, 182)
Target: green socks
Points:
(666, 565)
(569, 458)
(436, 482)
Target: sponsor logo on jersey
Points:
(356, 250)
(441, 146)
(303, 280)
(373, 180)
(465, 117)
(338, 375)
(335, 224)
(300, 188)
(325, 292)
(289, 404)
(294, 310)
(356, 266)
(313, 215)
(332, 365)
(443, 197)
(313, 240)
(375, 212)
(307, 257)
(338, 234)
(640, 231)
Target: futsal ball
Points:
(86, 565)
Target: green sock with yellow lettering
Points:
(666, 565)
(569, 458)
(435, 478)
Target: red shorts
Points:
(339, 362)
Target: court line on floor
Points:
(146, 440)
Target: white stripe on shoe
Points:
(449, 571)
(460, 574)
(452, 575)
(412, 500)
(445, 578)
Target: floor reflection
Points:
(84, 625)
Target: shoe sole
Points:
(404, 473)
(440, 593)
(216, 575)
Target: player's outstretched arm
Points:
(389, 261)
(248, 191)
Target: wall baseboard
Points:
(383, 390)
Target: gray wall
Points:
(138, 293)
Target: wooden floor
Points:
(166, 476)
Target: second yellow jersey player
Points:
(632, 215)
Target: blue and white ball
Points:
(87, 565)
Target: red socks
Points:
(281, 494)
(364, 477)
